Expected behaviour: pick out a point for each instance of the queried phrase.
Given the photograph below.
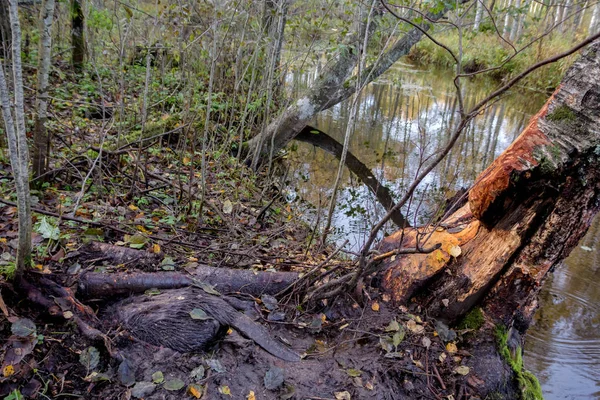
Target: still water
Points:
(403, 120)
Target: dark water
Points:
(403, 120)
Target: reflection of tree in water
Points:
(563, 346)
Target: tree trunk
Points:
(77, 39)
(524, 214)
(5, 34)
(478, 15)
(334, 86)
(41, 139)
(14, 123)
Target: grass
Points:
(485, 50)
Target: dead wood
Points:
(165, 320)
(225, 280)
(524, 215)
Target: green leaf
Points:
(158, 377)
(398, 338)
(198, 313)
(274, 378)
(47, 230)
(393, 326)
(23, 327)
(174, 384)
(90, 358)
(354, 372)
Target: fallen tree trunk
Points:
(225, 280)
(524, 215)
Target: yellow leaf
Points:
(229, 331)
(186, 161)
(451, 348)
(375, 306)
(39, 266)
(195, 391)
(225, 390)
(142, 229)
(133, 207)
(8, 370)
(462, 370)
(156, 248)
(2, 240)
(251, 396)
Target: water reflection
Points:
(404, 118)
(563, 345)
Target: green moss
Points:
(528, 383)
(562, 114)
(473, 320)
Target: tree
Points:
(336, 85)
(5, 35)
(41, 139)
(14, 123)
(77, 39)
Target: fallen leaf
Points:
(462, 370)
(156, 248)
(225, 390)
(273, 378)
(90, 358)
(195, 390)
(173, 384)
(354, 372)
(426, 342)
(158, 377)
(8, 371)
(251, 396)
(414, 327)
(142, 389)
(342, 395)
(451, 348)
(200, 314)
(375, 306)
(227, 206)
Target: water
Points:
(404, 119)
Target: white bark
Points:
(14, 123)
(594, 23)
(41, 139)
(478, 15)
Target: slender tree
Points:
(41, 139)
(14, 122)
(77, 39)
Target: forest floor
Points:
(148, 196)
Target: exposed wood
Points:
(525, 213)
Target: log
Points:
(525, 213)
(225, 280)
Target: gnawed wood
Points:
(527, 211)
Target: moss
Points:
(562, 114)
(528, 384)
(473, 320)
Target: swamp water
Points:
(403, 119)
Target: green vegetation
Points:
(473, 320)
(528, 383)
(483, 50)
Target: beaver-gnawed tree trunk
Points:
(524, 214)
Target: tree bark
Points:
(14, 123)
(5, 33)
(524, 215)
(77, 39)
(41, 139)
